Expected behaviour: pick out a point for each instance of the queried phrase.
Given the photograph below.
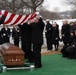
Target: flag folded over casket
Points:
(8, 18)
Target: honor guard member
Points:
(5, 33)
(37, 40)
(0, 38)
(48, 34)
(26, 35)
(16, 35)
(65, 32)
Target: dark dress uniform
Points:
(0, 38)
(48, 35)
(37, 41)
(55, 37)
(65, 31)
(26, 35)
(16, 36)
(5, 33)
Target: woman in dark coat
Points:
(55, 36)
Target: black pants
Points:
(5, 40)
(16, 42)
(49, 43)
(26, 47)
(37, 54)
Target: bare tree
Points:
(32, 4)
(14, 5)
(71, 2)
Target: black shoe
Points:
(38, 66)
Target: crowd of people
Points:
(31, 36)
(69, 39)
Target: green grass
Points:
(52, 65)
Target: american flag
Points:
(8, 18)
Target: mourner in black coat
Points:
(26, 35)
(37, 40)
(48, 34)
(16, 35)
(65, 32)
(72, 47)
(64, 52)
(55, 36)
(5, 34)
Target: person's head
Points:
(15, 26)
(72, 23)
(5, 26)
(47, 21)
(65, 22)
(54, 24)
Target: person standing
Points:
(26, 35)
(5, 33)
(16, 35)
(37, 40)
(48, 34)
(55, 36)
(65, 32)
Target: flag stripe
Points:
(9, 18)
(17, 20)
(14, 19)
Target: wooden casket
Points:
(12, 55)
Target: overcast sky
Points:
(51, 4)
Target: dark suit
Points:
(26, 35)
(37, 41)
(5, 33)
(65, 33)
(16, 36)
(48, 35)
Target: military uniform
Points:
(16, 36)
(26, 35)
(5, 34)
(37, 41)
(48, 34)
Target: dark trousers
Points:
(37, 54)
(56, 44)
(5, 40)
(49, 43)
(26, 47)
(16, 42)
